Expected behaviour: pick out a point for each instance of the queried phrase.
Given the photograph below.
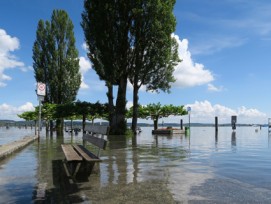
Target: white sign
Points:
(41, 88)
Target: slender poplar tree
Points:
(155, 51)
(55, 59)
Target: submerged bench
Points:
(78, 158)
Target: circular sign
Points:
(41, 87)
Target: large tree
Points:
(130, 39)
(155, 51)
(106, 25)
(55, 59)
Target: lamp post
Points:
(189, 111)
(41, 87)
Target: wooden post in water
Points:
(181, 123)
(216, 124)
(233, 122)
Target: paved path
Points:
(10, 148)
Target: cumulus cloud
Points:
(188, 73)
(204, 111)
(10, 112)
(85, 66)
(8, 44)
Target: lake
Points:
(205, 167)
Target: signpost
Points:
(41, 89)
(189, 111)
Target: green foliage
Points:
(156, 111)
(154, 51)
(130, 39)
(55, 58)
(29, 115)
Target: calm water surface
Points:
(228, 167)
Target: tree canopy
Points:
(55, 58)
(154, 111)
(130, 40)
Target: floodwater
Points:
(227, 167)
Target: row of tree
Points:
(126, 40)
(86, 111)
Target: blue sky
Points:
(225, 47)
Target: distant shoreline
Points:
(79, 123)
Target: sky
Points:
(225, 47)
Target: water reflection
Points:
(233, 140)
(144, 168)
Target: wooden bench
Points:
(78, 159)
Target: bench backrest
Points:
(98, 129)
(99, 142)
(95, 129)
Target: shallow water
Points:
(10, 134)
(230, 167)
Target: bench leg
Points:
(84, 171)
(86, 167)
(73, 167)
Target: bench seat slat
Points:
(87, 155)
(70, 153)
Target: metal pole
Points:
(189, 121)
(39, 117)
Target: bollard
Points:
(187, 130)
(216, 124)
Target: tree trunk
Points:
(155, 123)
(119, 124)
(110, 104)
(84, 123)
(51, 127)
(71, 124)
(59, 127)
(135, 108)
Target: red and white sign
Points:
(41, 89)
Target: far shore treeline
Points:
(127, 41)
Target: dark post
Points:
(181, 124)
(233, 121)
(216, 124)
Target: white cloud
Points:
(213, 88)
(10, 112)
(84, 46)
(129, 104)
(85, 66)
(204, 111)
(188, 73)
(8, 44)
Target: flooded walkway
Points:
(203, 168)
(7, 149)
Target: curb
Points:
(7, 149)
